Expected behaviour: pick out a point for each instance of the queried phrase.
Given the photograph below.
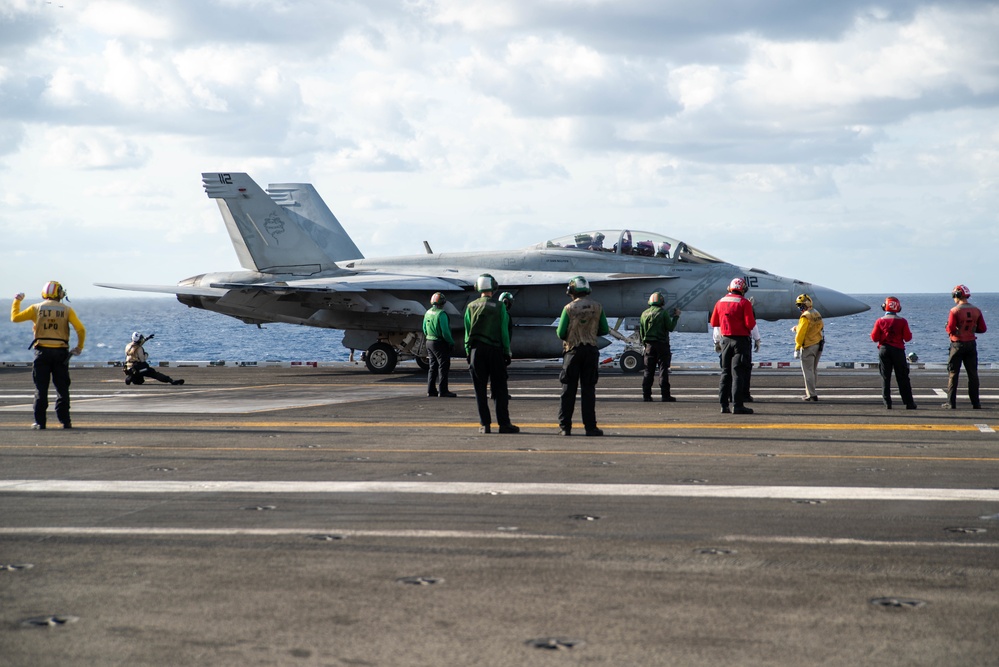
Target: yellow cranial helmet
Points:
(53, 290)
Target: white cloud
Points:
(740, 125)
(91, 149)
(126, 19)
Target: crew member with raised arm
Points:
(137, 367)
(52, 321)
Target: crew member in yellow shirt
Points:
(809, 340)
(52, 320)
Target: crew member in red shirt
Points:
(963, 323)
(891, 333)
(733, 321)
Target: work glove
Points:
(797, 354)
(718, 347)
(508, 360)
(756, 345)
(19, 296)
(75, 352)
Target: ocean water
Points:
(190, 334)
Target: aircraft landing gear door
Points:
(631, 360)
(381, 358)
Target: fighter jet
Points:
(301, 267)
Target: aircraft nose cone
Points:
(836, 304)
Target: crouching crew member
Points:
(733, 322)
(137, 367)
(963, 322)
(653, 331)
(582, 321)
(52, 320)
(891, 333)
(487, 346)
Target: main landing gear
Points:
(382, 356)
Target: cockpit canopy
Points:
(635, 243)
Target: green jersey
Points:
(656, 324)
(436, 327)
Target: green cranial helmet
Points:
(656, 299)
(577, 286)
(485, 283)
(506, 299)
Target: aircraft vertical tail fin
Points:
(304, 203)
(267, 232)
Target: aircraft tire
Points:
(423, 363)
(631, 362)
(381, 358)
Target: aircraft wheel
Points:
(381, 358)
(423, 363)
(631, 362)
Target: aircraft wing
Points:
(187, 290)
(361, 282)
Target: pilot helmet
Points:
(53, 290)
(891, 305)
(961, 292)
(485, 283)
(506, 299)
(136, 336)
(577, 286)
(656, 299)
(437, 299)
(737, 285)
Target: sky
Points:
(846, 143)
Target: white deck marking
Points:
(847, 541)
(250, 399)
(503, 488)
(500, 534)
(228, 400)
(984, 428)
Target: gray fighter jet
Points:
(301, 267)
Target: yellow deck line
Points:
(215, 424)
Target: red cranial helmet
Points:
(737, 285)
(891, 305)
(961, 292)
